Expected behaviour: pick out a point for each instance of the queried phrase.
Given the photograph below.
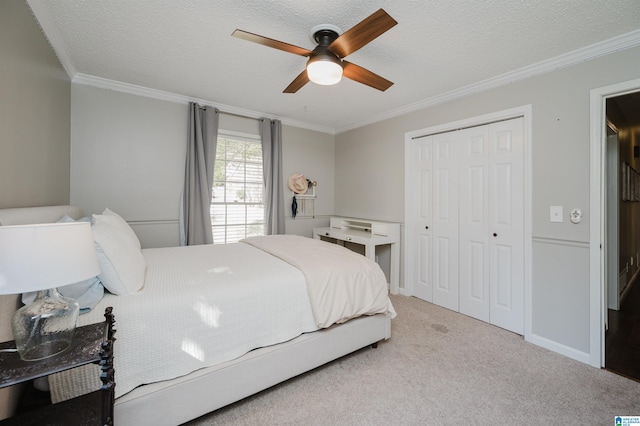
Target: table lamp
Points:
(41, 258)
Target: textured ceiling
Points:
(185, 48)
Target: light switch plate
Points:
(555, 213)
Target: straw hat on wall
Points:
(298, 183)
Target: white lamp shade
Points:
(324, 72)
(44, 256)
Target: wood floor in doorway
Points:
(623, 337)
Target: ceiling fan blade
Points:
(297, 83)
(362, 33)
(364, 76)
(269, 42)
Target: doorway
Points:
(599, 264)
(622, 320)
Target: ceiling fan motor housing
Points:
(324, 37)
(324, 28)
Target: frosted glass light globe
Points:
(324, 71)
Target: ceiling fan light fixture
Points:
(324, 69)
(325, 65)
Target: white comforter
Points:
(203, 305)
(341, 284)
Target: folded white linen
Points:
(342, 284)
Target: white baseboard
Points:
(559, 348)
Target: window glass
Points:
(237, 207)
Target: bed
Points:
(186, 347)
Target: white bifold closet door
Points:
(423, 165)
(437, 171)
(471, 222)
(445, 222)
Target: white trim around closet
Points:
(524, 111)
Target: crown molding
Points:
(148, 92)
(616, 44)
(622, 42)
(51, 33)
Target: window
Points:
(237, 206)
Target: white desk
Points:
(369, 234)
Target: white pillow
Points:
(122, 264)
(116, 220)
(87, 293)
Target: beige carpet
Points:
(442, 368)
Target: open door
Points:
(612, 266)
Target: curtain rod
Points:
(239, 115)
(234, 114)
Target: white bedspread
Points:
(341, 284)
(201, 305)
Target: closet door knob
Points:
(426, 227)
(495, 235)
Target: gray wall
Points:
(128, 154)
(34, 131)
(370, 170)
(312, 154)
(34, 114)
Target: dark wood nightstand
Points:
(91, 344)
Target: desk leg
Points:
(370, 251)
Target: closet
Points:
(469, 221)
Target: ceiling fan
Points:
(326, 64)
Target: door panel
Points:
(503, 277)
(423, 156)
(477, 264)
(507, 225)
(445, 222)
(612, 263)
(502, 196)
(423, 289)
(474, 222)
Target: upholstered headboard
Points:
(45, 214)
(9, 304)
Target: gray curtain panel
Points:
(271, 135)
(198, 180)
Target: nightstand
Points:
(91, 344)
